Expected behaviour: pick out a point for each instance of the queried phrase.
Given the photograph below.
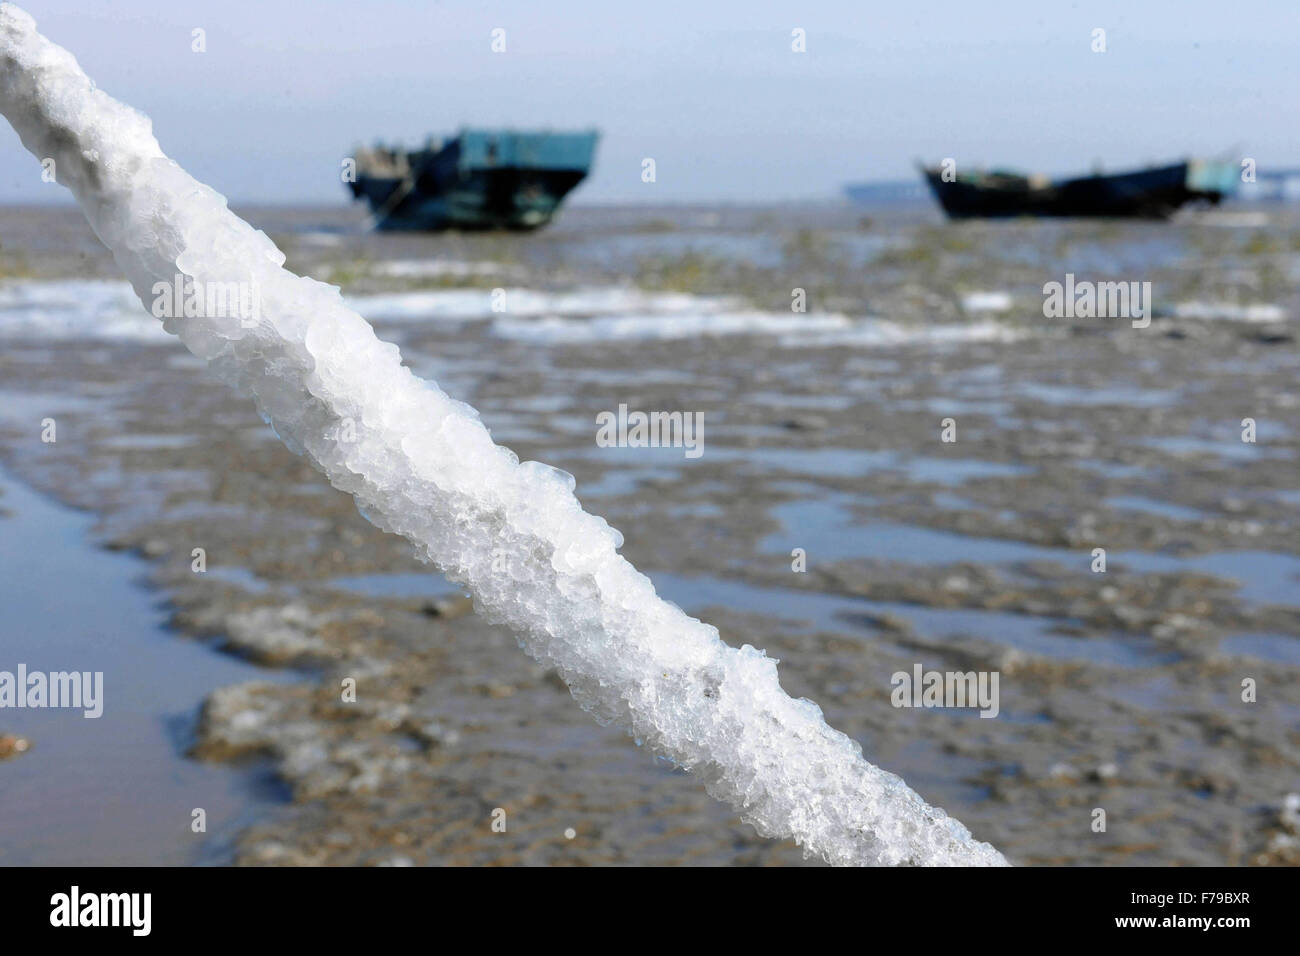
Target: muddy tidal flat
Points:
(903, 462)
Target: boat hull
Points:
(479, 181)
(1149, 193)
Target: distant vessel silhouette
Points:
(479, 179)
(1153, 193)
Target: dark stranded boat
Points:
(1153, 193)
(480, 179)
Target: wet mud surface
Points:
(1120, 689)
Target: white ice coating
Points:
(423, 466)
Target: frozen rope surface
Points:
(422, 465)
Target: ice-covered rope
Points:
(422, 465)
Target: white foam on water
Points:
(790, 330)
(108, 310)
(880, 333)
(422, 465)
(987, 302)
(556, 330)
(1231, 311)
(76, 309)
(443, 305)
(465, 305)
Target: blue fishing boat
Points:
(479, 179)
(1154, 193)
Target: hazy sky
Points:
(710, 90)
